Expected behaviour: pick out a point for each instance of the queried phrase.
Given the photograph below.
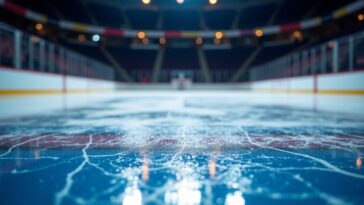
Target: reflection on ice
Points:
(185, 191)
(358, 162)
(212, 168)
(132, 195)
(145, 170)
(190, 150)
(36, 154)
(235, 198)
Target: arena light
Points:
(162, 40)
(297, 35)
(39, 26)
(96, 37)
(180, 1)
(212, 2)
(141, 35)
(331, 44)
(259, 32)
(218, 35)
(146, 1)
(81, 37)
(199, 41)
(360, 17)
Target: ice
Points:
(183, 148)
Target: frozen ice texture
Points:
(182, 149)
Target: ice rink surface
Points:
(182, 148)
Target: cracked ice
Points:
(182, 150)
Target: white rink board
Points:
(325, 82)
(11, 79)
(342, 81)
(301, 83)
(20, 80)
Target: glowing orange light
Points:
(81, 38)
(218, 35)
(297, 35)
(330, 44)
(358, 162)
(146, 1)
(141, 35)
(259, 32)
(39, 26)
(212, 168)
(213, 2)
(145, 170)
(162, 40)
(199, 41)
(360, 17)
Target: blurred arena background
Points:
(181, 102)
(157, 41)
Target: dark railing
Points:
(21, 50)
(343, 54)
